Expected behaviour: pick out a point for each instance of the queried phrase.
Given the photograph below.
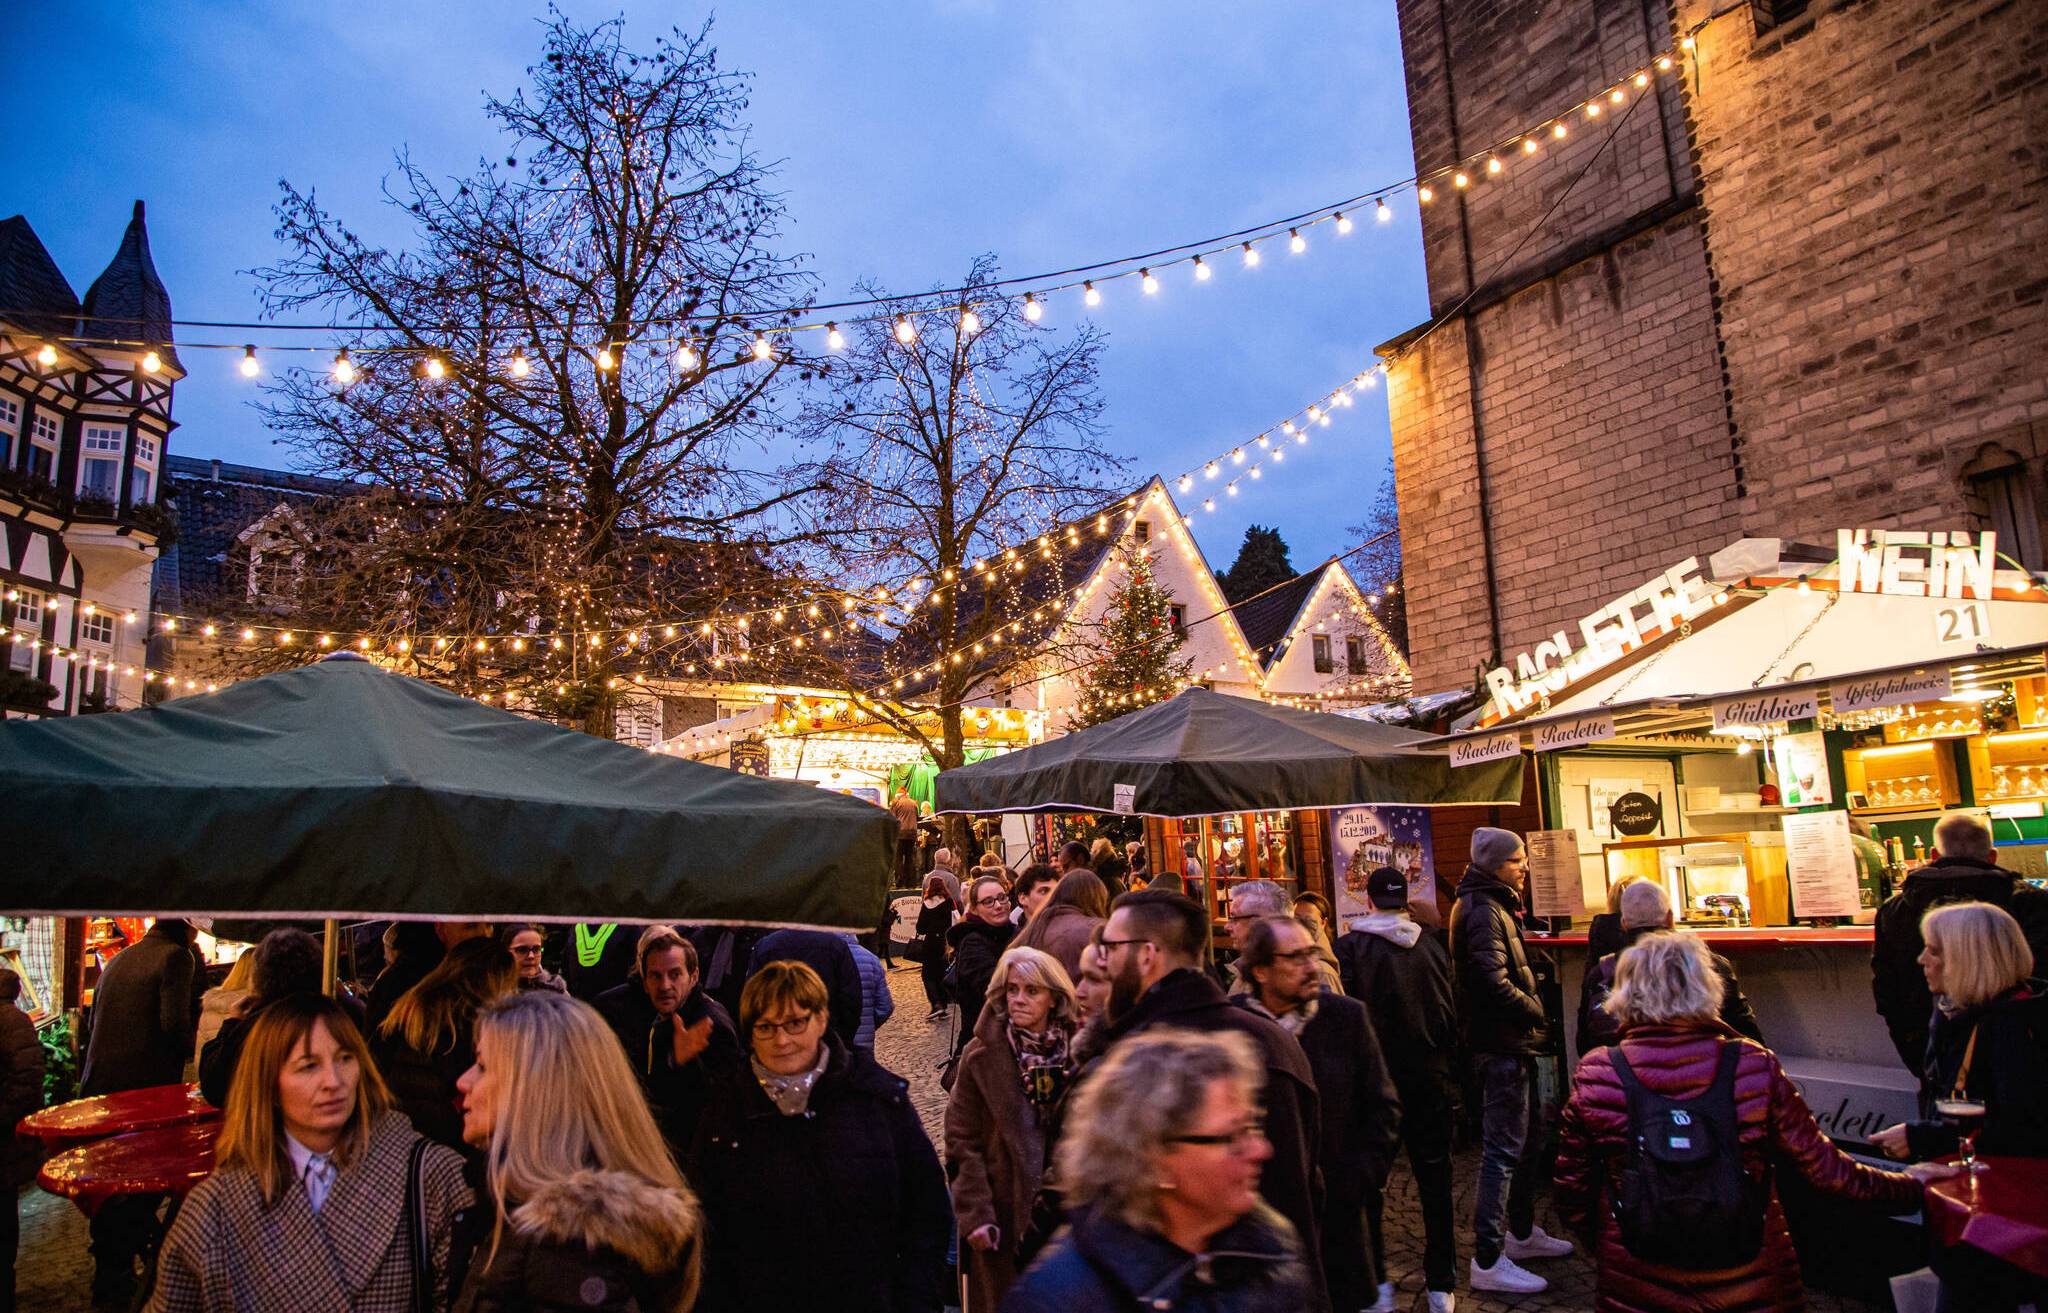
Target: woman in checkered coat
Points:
(307, 1208)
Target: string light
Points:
(1202, 271)
(1251, 255)
(46, 355)
(1034, 309)
(1344, 220)
(1379, 212)
(834, 339)
(1150, 284)
(970, 323)
(761, 348)
(519, 367)
(435, 369)
(151, 362)
(906, 332)
(605, 361)
(686, 358)
(249, 366)
(1090, 295)
(1295, 241)
(344, 368)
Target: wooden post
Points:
(330, 956)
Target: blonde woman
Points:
(1159, 1163)
(1667, 997)
(1011, 1076)
(819, 1184)
(588, 1209)
(307, 1207)
(1987, 1041)
(429, 1039)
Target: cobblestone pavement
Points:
(55, 1273)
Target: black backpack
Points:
(1683, 1199)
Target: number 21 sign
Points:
(1964, 622)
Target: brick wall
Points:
(1799, 288)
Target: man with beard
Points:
(1154, 945)
(680, 1042)
(1360, 1110)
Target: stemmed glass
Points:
(1967, 1116)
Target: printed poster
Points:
(1802, 764)
(1363, 839)
(1554, 887)
(1820, 861)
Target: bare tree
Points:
(957, 441)
(1377, 563)
(568, 366)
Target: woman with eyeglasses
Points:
(1159, 1163)
(526, 943)
(819, 1185)
(978, 943)
(1010, 1079)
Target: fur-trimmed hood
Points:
(650, 1226)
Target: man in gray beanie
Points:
(1504, 1024)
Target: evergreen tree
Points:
(1140, 662)
(1261, 563)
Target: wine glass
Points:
(1967, 1116)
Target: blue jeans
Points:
(1510, 1128)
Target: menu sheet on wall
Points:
(1554, 888)
(1820, 862)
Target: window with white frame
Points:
(1320, 644)
(142, 479)
(10, 425)
(99, 465)
(97, 628)
(45, 432)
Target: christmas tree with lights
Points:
(1140, 662)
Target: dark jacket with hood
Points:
(2008, 1071)
(144, 1014)
(1187, 999)
(1896, 980)
(977, 947)
(1596, 1027)
(1101, 1264)
(594, 1242)
(841, 1207)
(1499, 1007)
(675, 1095)
(1401, 970)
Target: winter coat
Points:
(826, 954)
(614, 963)
(1499, 1007)
(594, 1242)
(675, 1095)
(1597, 1027)
(877, 1004)
(1896, 981)
(145, 1011)
(1062, 931)
(1187, 999)
(2008, 1071)
(977, 947)
(229, 1252)
(1401, 970)
(423, 1084)
(21, 1090)
(995, 1156)
(1778, 1135)
(215, 1007)
(842, 1207)
(546, 980)
(1101, 1264)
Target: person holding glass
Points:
(819, 1186)
(1159, 1164)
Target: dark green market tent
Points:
(341, 790)
(1204, 753)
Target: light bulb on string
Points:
(1559, 131)
(1202, 271)
(1380, 210)
(1295, 241)
(1425, 194)
(605, 360)
(249, 366)
(1592, 109)
(1528, 145)
(435, 369)
(46, 355)
(906, 332)
(1494, 165)
(1344, 221)
(1616, 96)
(1034, 309)
(1663, 63)
(151, 362)
(344, 368)
(761, 348)
(834, 339)
(1641, 80)
(1148, 282)
(1460, 180)
(970, 323)
(686, 358)
(1089, 294)
(520, 366)
(1251, 255)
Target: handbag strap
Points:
(1962, 1081)
(417, 1247)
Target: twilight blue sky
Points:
(915, 133)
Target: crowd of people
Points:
(694, 1117)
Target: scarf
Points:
(1044, 1064)
(791, 1095)
(1292, 1022)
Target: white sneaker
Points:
(1537, 1244)
(1385, 1303)
(1442, 1301)
(1507, 1277)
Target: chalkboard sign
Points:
(750, 757)
(1636, 814)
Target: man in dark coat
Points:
(1360, 1110)
(1154, 942)
(680, 1043)
(21, 1093)
(1645, 910)
(1505, 1028)
(1965, 869)
(145, 1013)
(827, 955)
(1401, 970)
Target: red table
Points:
(168, 1160)
(71, 1123)
(2002, 1211)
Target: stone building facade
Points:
(1795, 282)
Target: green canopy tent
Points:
(341, 790)
(1205, 754)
